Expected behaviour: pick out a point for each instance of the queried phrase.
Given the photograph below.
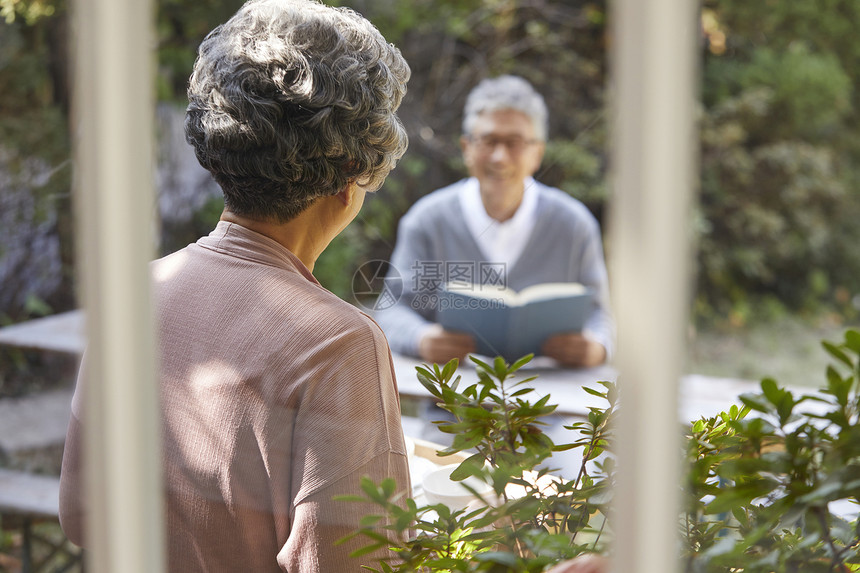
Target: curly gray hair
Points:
(290, 100)
(504, 93)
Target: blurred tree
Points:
(36, 251)
(779, 157)
(780, 138)
(180, 27)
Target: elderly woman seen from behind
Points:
(275, 394)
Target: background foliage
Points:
(780, 145)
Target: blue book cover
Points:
(510, 324)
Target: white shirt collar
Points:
(500, 242)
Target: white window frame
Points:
(113, 118)
(654, 67)
(653, 77)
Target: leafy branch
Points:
(772, 485)
(534, 518)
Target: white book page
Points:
(511, 297)
(548, 291)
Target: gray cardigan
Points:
(435, 246)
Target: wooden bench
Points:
(27, 499)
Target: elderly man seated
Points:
(500, 223)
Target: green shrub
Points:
(760, 493)
(548, 520)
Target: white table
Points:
(61, 332)
(565, 385)
(698, 395)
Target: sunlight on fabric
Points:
(167, 270)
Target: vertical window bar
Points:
(654, 64)
(113, 124)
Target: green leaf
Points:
(594, 392)
(825, 492)
(428, 381)
(449, 369)
(852, 340)
(739, 514)
(369, 488)
(786, 407)
(369, 520)
(467, 441)
(500, 368)
(838, 386)
(772, 391)
(368, 549)
(444, 564)
(521, 362)
(525, 380)
(755, 402)
(739, 495)
(388, 487)
(480, 363)
(437, 372)
(424, 371)
(837, 353)
(498, 557)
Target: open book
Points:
(512, 324)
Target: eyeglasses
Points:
(513, 145)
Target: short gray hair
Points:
(506, 93)
(290, 100)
